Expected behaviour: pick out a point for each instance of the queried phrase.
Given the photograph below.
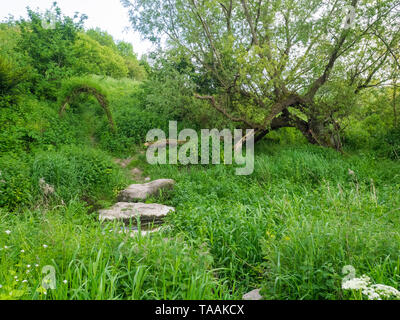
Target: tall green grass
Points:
(94, 261)
(289, 228)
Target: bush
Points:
(77, 172)
(15, 182)
(389, 144)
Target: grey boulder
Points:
(253, 295)
(142, 191)
(125, 211)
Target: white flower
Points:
(386, 291)
(36, 265)
(16, 277)
(24, 281)
(45, 246)
(372, 291)
(28, 266)
(356, 283)
(5, 247)
(371, 294)
(65, 281)
(8, 231)
(22, 250)
(1, 286)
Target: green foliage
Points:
(15, 183)
(295, 223)
(49, 50)
(112, 53)
(94, 261)
(289, 228)
(10, 77)
(169, 92)
(246, 55)
(77, 172)
(90, 57)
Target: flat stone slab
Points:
(139, 192)
(253, 295)
(125, 211)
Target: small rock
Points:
(136, 174)
(143, 191)
(125, 211)
(123, 162)
(136, 171)
(253, 295)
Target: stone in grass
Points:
(123, 162)
(142, 191)
(126, 211)
(136, 173)
(253, 295)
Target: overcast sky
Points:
(109, 15)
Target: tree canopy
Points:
(278, 63)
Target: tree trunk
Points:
(315, 130)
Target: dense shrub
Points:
(93, 58)
(77, 172)
(15, 182)
(389, 144)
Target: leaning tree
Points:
(280, 63)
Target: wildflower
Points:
(16, 277)
(356, 283)
(1, 286)
(5, 247)
(45, 246)
(372, 292)
(386, 291)
(22, 250)
(8, 231)
(28, 266)
(24, 281)
(65, 281)
(351, 172)
(36, 265)
(270, 235)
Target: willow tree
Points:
(279, 63)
